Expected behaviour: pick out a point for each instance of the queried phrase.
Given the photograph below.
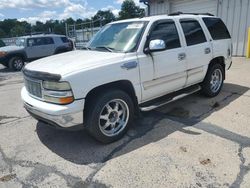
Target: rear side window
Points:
(217, 28)
(193, 32)
(166, 31)
(64, 39)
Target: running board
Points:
(156, 103)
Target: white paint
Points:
(153, 77)
(235, 14)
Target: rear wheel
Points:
(109, 115)
(213, 81)
(16, 63)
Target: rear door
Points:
(40, 47)
(198, 50)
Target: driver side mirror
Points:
(155, 45)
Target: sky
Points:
(42, 10)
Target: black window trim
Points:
(188, 20)
(146, 45)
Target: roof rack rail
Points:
(40, 33)
(180, 13)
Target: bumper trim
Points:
(59, 121)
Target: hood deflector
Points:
(41, 75)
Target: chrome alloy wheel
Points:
(216, 80)
(113, 117)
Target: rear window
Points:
(217, 28)
(64, 39)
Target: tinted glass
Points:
(34, 42)
(193, 32)
(217, 28)
(166, 31)
(64, 39)
(40, 41)
(47, 41)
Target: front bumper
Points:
(62, 116)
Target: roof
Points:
(171, 16)
(42, 35)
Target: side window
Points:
(193, 32)
(31, 42)
(217, 28)
(38, 41)
(166, 31)
(64, 39)
(48, 41)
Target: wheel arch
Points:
(124, 85)
(219, 60)
(18, 54)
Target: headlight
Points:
(58, 86)
(57, 92)
(2, 54)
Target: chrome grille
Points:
(33, 87)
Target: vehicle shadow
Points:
(5, 70)
(80, 148)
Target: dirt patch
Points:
(184, 149)
(7, 177)
(216, 105)
(205, 161)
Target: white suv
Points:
(130, 65)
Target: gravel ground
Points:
(194, 142)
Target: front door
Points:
(39, 47)
(169, 65)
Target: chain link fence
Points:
(82, 33)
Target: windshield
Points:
(119, 37)
(20, 42)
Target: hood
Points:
(11, 48)
(74, 61)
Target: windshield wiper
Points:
(86, 48)
(105, 47)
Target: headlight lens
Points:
(57, 92)
(58, 86)
(2, 54)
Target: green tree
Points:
(18, 30)
(130, 10)
(103, 17)
(2, 33)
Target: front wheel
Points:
(213, 81)
(16, 63)
(109, 115)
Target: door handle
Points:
(207, 50)
(129, 65)
(181, 56)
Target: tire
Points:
(16, 63)
(109, 115)
(213, 82)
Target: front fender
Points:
(84, 81)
